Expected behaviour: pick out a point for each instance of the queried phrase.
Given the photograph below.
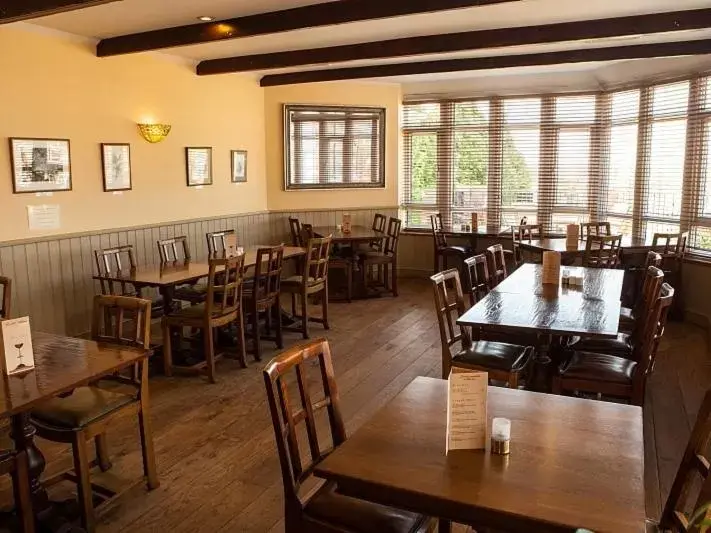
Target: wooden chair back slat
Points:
(651, 287)
(174, 250)
(694, 463)
(477, 270)
(525, 232)
(225, 284)
(670, 245)
(645, 350)
(497, 264)
(440, 239)
(595, 229)
(305, 234)
(318, 251)
(286, 418)
(295, 230)
(267, 272)
(112, 261)
(379, 222)
(602, 251)
(5, 297)
(216, 243)
(449, 306)
(393, 239)
(116, 317)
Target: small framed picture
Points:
(40, 165)
(239, 166)
(198, 162)
(116, 165)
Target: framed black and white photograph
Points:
(116, 166)
(239, 166)
(40, 165)
(198, 162)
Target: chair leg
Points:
(81, 468)
(513, 381)
(242, 348)
(21, 492)
(268, 322)
(393, 273)
(304, 315)
(276, 309)
(293, 304)
(324, 307)
(255, 335)
(209, 347)
(349, 284)
(102, 452)
(557, 385)
(149, 460)
(167, 351)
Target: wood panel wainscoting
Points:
(52, 276)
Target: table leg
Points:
(540, 372)
(167, 292)
(23, 435)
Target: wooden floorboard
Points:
(215, 444)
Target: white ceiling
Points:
(130, 16)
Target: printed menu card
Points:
(551, 268)
(16, 345)
(466, 410)
(230, 245)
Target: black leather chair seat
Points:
(192, 294)
(495, 355)
(598, 367)
(80, 408)
(360, 516)
(620, 346)
(457, 250)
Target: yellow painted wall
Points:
(332, 93)
(52, 86)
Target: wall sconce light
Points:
(154, 133)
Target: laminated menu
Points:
(466, 410)
(475, 222)
(346, 223)
(231, 245)
(572, 234)
(16, 345)
(551, 268)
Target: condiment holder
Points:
(501, 436)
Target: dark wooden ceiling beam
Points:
(471, 40)
(311, 16)
(699, 47)
(16, 10)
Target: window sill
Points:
(698, 259)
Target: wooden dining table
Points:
(357, 234)
(166, 276)
(61, 365)
(577, 249)
(574, 463)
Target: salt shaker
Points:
(501, 436)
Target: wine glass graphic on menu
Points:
(19, 342)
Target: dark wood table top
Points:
(177, 274)
(62, 364)
(357, 234)
(574, 463)
(559, 244)
(522, 303)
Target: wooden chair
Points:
(114, 260)
(628, 315)
(497, 264)
(15, 464)
(673, 247)
(442, 250)
(216, 244)
(177, 250)
(295, 230)
(222, 306)
(477, 270)
(595, 229)
(694, 463)
(519, 234)
(379, 222)
(88, 412)
(624, 344)
(312, 280)
(387, 259)
(262, 295)
(5, 297)
(602, 251)
(609, 375)
(323, 509)
(504, 362)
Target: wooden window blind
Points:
(639, 158)
(328, 147)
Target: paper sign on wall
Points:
(466, 410)
(43, 217)
(16, 336)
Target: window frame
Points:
(380, 113)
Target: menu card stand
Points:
(551, 268)
(466, 410)
(346, 223)
(572, 234)
(16, 345)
